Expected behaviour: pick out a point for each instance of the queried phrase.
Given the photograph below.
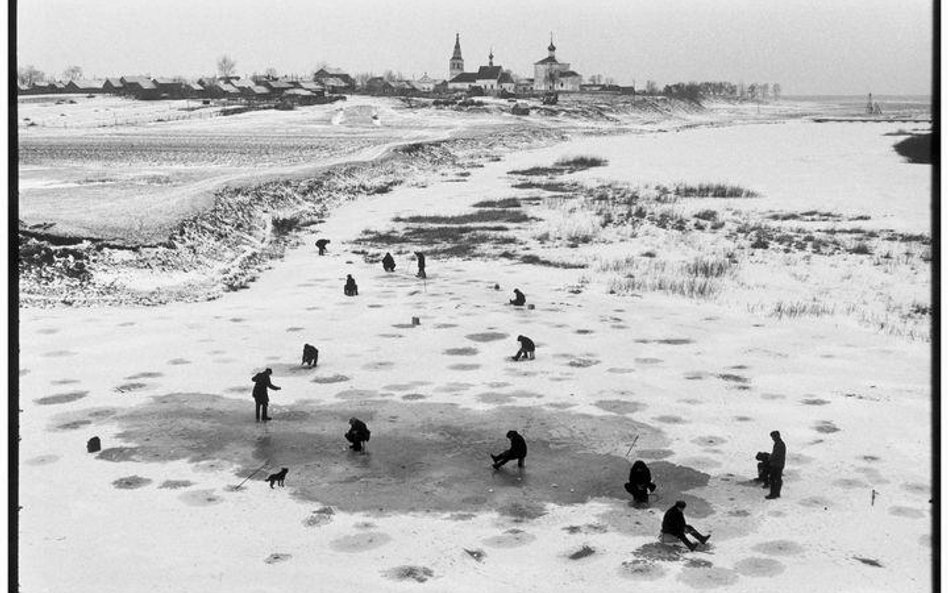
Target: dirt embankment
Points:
(224, 247)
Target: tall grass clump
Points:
(712, 190)
(579, 163)
(571, 226)
(700, 278)
(481, 216)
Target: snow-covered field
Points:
(696, 385)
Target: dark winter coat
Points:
(261, 382)
(779, 456)
(518, 446)
(388, 262)
(640, 475)
(526, 344)
(674, 521)
(358, 431)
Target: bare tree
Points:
(271, 73)
(651, 87)
(29, 75)
(595, 79)
(362, 77)
(226, 66)
(72, 73)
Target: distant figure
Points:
(674, 524)
(94, 445)
(519, 299)
(517, 450)
(527, 348)
(640, 482)
(777, 460)
(763, 468)
(421, 265)
(261, 382)
(388, 262)
(358, 433)
(351, 288)
(310, 355)
(321, 244)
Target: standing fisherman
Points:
(421, 265)
(261, 382)
(777, 460)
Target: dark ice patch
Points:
(131, 482)
(467, 351)
(419, 574)
(825, 427)
(583, 552)
(464, 367)
(619, 406)
(144, 375)
(64, 382)
(61, 398)
(325, 379)
(175, 484)
(487, 336)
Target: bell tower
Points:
(456, 64)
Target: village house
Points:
(114, 86)
(335, 79)
(87, 87)
(141, 87)
(551, 75)
(169, 88)
(379, 86)
(426, 84)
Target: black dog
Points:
(310, 355)
(278, 477)
(763, 467)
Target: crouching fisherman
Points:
(674, 525)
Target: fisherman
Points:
(388, 262)
(351, 288)
(519, 299)
(421, 264)
(673, 523)
(763, 468)
(778, 459)
(321, 244)
(527, 348)
(517, 450)
(358, 433)
(640, 482)
(261, 382)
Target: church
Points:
(492, 79)
(551, 75)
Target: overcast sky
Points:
(808, 46)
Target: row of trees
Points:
(697, 90)
(30, 75)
